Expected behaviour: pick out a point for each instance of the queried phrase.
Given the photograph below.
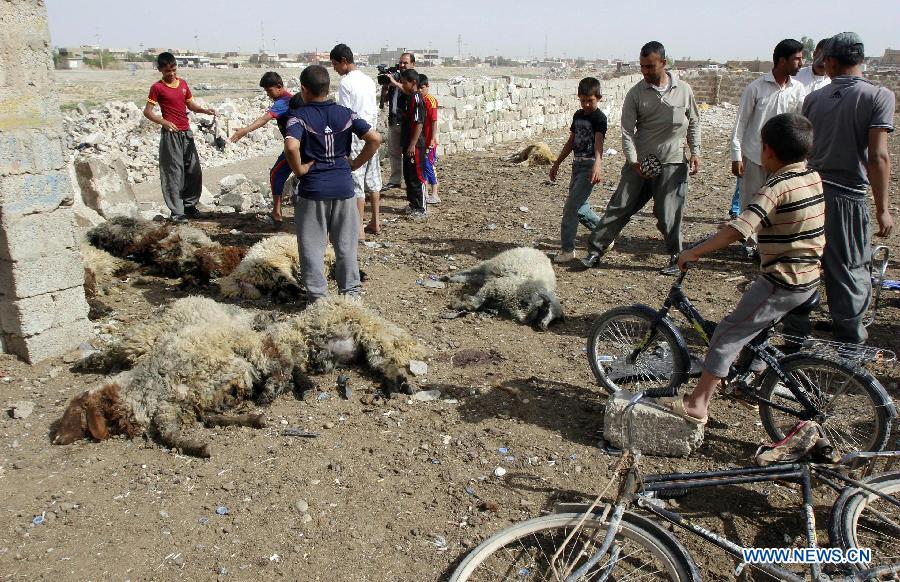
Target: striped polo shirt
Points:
(788, 215)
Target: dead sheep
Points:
(101, 270)
(177, 251)
(271, 267)
(200, 359)
(518, 282)
(538, 154)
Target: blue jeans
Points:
(736, 199)
(577, 208)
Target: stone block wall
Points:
(43, 311)
(477, 114)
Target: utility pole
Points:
(459, 47)
(545, 47)
(99, 50)
(262, 37)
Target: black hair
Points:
(412, 57)
(409, 75)
(164, 60)
(296, 101)
(790, 135)
(316, 80)
(589, 86)
(654, 46)
(423, 80)
(848, 61)
(821, 43)
(786, 49)
(341, 51)
(271, 79)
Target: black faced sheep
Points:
(201, 358)
(538, 154)
(519, 282)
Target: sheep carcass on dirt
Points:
(519, 282)
(538, 154)
(201, 358)
(101, 270)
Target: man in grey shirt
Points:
(657, 115)
(851, 119)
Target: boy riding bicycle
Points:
(788, 216)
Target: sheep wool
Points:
(538, 154)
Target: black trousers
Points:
(414, 176)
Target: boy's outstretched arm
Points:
(372, 140)
(257, 123)
(724, 237)
(563, 154)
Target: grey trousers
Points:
(577, 208)
(846, 262)
(317, 222)
(180, 176)
(395, 152)
(761, 305)
(668, 192)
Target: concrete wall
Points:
(477, 114)
(43, 311)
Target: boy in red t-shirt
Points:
(180, 176)
(431, 132)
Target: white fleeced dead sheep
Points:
(201, 358)
(101, 270)
(538, 154)
(518, 282)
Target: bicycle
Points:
(639, 349)
(611, 541)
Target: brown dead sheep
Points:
(538, 154)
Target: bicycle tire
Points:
(850, 526)
(861, 423)
(613, 337)
(640, 533)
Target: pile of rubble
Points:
(119, 127)
(717, 121)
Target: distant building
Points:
(70, 58)
(195, 61)
(316, 58)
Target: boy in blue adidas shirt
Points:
(317, 148)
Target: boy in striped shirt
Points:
(788, 217)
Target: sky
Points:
(696, 29)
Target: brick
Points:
(28, 193)
(53, 342)
(30, 152)
(33, 315)
(29, 278)
(35, 236)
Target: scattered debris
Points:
(427, 395)
(418, 367)
(298, 432)
(21, 409)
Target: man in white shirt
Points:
(357, 92)
(813, 77)
(772, 94)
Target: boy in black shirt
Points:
(413, 140)
(587, 133)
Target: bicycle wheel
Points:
(861, 519)
(661, 365)
(525, 552)
(854, 408)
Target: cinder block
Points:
(53, 342)
(29, 193)
(30, 152)
(34, 236)
(23, 279)
(33, 315)
(654, 430)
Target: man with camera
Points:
(391, 93)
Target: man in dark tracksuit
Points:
(180, 176)
(851, 119)
(413, 139)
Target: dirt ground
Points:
(398, 490)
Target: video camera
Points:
(385, 72)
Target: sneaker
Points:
(191, 211)
(179, 219)
(672, 268)
(417, 215)
(564, 257)
(407, 210)
(591, 261)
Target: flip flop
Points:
(676, 406)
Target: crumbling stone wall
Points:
(476, 114)
(43, 311)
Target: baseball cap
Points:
(844, 44)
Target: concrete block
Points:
(35, 236)
(104, 186)
(30, 152)
(53, 273)
(29, 193)
(34, 315)
(654, 431)
(53, 342)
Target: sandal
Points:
(676, 406)
(370, 230)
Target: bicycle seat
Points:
(807, 306)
